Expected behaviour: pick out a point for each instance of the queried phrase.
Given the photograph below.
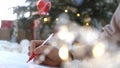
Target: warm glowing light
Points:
(87, 24)
(66, 10)
(64, 28)
(45, 19)
(78, 14)
(57, 19)
(98, 50)
(64, 34)
(63, 53)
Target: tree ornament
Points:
(77, 2)
(43, 7)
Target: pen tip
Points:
(30, 58)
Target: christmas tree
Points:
(96, 13)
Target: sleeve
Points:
(111, 32)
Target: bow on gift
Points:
(43, 7)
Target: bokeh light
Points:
(98, 50)
(63, 53)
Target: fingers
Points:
(50, 58)
(41, 49)
(36, 48)
(33, 45)
(47, 61)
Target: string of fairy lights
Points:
(87, 18)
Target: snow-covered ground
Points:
(14, 55)
(21, 47)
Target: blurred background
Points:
(18, 18)
(79, 23)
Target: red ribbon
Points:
(43, 7)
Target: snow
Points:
(21, 47)
(14, 55)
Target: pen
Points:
(33, 55)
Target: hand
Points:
(51, 59)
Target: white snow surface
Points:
(14, 55)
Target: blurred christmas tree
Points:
(96, 13)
